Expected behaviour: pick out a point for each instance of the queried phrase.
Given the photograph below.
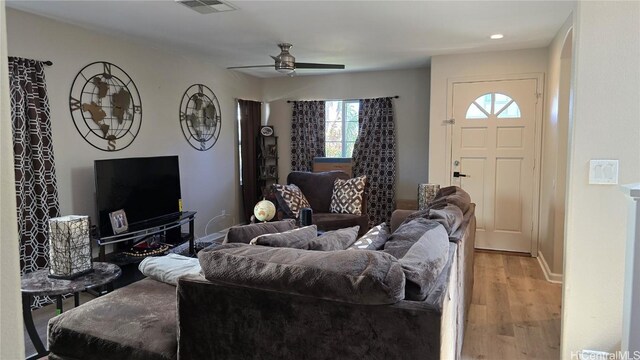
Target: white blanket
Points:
(169, 268)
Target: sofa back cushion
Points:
(244, 233)
(449, 216)
(453, 195)
(359, 277)
(422, 248)
(307, 238)
(317, 187)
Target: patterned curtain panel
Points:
(250, 114)
(36, 190)
(307, 134)
(374, 155)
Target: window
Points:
(493, 104)
(341, 127)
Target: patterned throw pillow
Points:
(374, 239)
(291, 199)
(347, 196)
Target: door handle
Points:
(458, 174)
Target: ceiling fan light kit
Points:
(285, 63)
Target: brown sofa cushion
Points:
(451, 195)
(317, 187)
(296, 238)
(306, 238)
(329, 221)
(422, 248)
(135, 322)
(244, 233)
(449, 216)
(360, 277)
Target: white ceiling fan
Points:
(286, 63)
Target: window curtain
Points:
(307, 134)
(34, 166)
(374, 155)
(250, 117)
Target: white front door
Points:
(493, 144)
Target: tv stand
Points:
(144, 229)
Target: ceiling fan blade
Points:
(300, 65)
(249, 66)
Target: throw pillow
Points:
(347, 195)
(291, 199)
(296, 238)
(451, 195)
(374, 239)
(422, 248)
(335, 239)
(244, 233)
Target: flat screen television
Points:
(145, 188)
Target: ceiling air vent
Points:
(206, 6)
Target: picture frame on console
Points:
(119, 222)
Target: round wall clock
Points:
(200, 117)
(266, 131)
(105, 106)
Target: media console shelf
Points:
(151, 227)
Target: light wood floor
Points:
(515, 312)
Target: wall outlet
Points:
(604, 172)
(224, 212)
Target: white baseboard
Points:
(551, 277)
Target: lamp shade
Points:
(69, 247)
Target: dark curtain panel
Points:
(36, 189)
(307, 134)
(250, 114)
(374, 155)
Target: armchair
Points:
(318, 189)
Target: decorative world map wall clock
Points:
(200, 117)
(105, 106)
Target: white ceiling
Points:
(363, 35)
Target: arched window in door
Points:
(496, 104)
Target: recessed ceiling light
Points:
(496, 36)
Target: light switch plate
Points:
(604, 172)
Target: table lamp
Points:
(69, 247)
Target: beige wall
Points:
(209, 179)
(447, 67)
(411, 114)
(11, 333)
(554, 151)
(605, 125)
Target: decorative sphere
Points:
(264, 210)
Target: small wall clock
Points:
(200, 117)
(266, 130)
(105, 106)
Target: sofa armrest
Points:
(398, 217)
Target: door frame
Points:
(537, 151)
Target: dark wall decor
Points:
(200, 117)
(105, 106)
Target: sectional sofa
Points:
(323, 308)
